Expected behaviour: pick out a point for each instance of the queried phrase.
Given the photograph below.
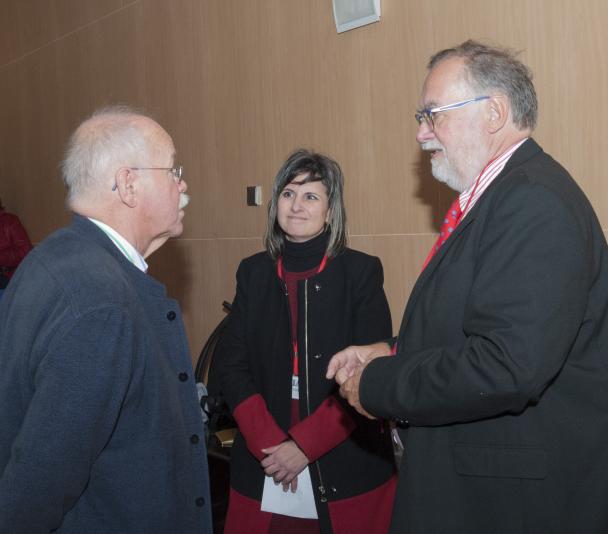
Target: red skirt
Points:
(361, 514)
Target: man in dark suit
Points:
(499, 380)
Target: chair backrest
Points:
(213, 403)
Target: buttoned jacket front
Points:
(101, 428)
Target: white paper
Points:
(298, 504)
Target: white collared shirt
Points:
(486, 177)
(129, 251)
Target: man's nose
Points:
(425, 132)
(183, 186)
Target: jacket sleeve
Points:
(254, 420)
(80, 385)
(371, 313)
(17, 243)
(257, 425)
(527, 300)
(332, 422)
(328, 426)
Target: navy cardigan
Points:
(101, 429)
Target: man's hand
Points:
(284, 463)
(350, 391)
(343, 364)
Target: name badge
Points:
(295, 390)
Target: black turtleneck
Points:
(299, 257)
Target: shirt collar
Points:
(469, 197)
(128, 250)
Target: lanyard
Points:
(280, 273)
(280, 266)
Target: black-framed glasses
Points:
(426, 115)
(176, 172)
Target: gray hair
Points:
(316, 167)
(112, 137)
(497, 68)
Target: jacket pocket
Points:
(500, 461)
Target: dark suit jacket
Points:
(501, 375)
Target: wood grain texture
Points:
(239, 84)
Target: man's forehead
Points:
(156, 131)
(168, 150)
(160, 139)
(444, 83)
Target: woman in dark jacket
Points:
(303, 299)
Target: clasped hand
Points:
(284, 462)
(346, 367)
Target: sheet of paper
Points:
(298, 504)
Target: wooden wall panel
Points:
(50, 92)
(203, 277)
(27, 25)
(241, 83)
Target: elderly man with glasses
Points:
(101, 428)
(499, 378)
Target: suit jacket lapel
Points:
(430, 268)
(523, 153)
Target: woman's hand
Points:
(284, 462)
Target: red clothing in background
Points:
(14, 243)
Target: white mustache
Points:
(184, 200)
(429, 147)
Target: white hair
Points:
(112, 137)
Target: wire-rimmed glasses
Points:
(426, 115)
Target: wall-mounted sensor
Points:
(350, 14)
(254, 195)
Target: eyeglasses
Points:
(177, 172)
(426, 115)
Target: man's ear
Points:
(126, 186)
(498, 112)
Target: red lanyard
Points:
(280, 266)
(295, 341)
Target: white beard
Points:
(444, 171)
(446, 174)
(184, 200)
